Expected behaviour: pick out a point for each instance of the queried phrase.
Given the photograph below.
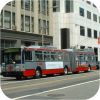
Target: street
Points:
(72, 86)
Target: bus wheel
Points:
(18, 78)
(65, 71)
(37, 73)
(89, 69)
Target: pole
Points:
(42, 31)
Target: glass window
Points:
(48, 28)
(22, 22)
(56, 3)
(13, 43)
(95, 34)
(39, 6)
(82, 30)
(88, 2)
(39, 24)
(13, 3)
(27, 4)
(66, 57)
(13, 18)
(7, 19)
(2, 43)
(46, 55)
(94, 5)
(60, 56)
(7, 43)
(89, 57)
(77, 57)
(32, 24)
(88, 15)
(27, 23)
(81, 57)
(86, 57)
(32, 5)
(28, 55)
(95, 17)
(44, 25)
(43, 5)
(53, 56)
(22, 4)
(47, 7)
(81, 12)
(89, 32)
(1, 19)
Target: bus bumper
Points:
(12, 74)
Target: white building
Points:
(76, 23)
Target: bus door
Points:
(72, 61)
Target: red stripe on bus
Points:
(84, 52)
(82, 69)
(93, 68)
(69, 70)
(30, 72)
(46, 49)
(52, 71)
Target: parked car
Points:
(98, 64)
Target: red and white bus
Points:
(37, 61)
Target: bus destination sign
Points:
(11, 50)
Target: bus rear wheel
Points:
(65, 71)
(89, 69)
(38, 73)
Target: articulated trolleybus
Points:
(37, 61)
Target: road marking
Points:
(54, 89)
(46, 82)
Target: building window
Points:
(39, 24)
(47, 7)
(26, 43)
(7, 20)
(48, 28)
(89, 32)
(27, 23)
(13, 3)
(8, 43)
(94, 5)
(95, 34)
(99, 19)
(95, 17)
(68, 6)
(43, 5)
(38, 6)
(13, 18)
(22, 4)
(32, 24)
(27, 4)
(81, 12)
(1, 25)
(56, 3)
(44, 25)
(82, 31)
(45, 44)
(9, 3)
(32, 5)
(88, 2)
(88, 15)
(22, 22)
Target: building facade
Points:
(22, 21)
(76, 24)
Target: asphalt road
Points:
(72, 86)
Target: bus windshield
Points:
(11, 55)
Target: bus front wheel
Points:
(37, 73)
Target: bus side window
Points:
(86, 57)
(89, 57)
(77, 57)
(28, 55)
(66, 56)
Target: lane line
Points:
(47, 82)
(54, 89)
